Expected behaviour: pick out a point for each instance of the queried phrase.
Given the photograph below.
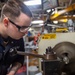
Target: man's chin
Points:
(17, 38)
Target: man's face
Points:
(19, 28)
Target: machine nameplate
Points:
(49, 36)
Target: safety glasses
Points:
(20, 28)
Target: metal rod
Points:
(29, 54)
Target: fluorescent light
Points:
(37, 22)
(49, 10)
(73, 15)
(55, 22)
(33, 2)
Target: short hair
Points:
(13, 8)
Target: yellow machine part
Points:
(61, 29)
(59, 13)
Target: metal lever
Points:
(45, 56)
(29, 54)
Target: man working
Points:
(14, 24)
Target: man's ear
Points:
(5, 21)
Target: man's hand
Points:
(11, 73)
(14, 68)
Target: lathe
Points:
(57, 53)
